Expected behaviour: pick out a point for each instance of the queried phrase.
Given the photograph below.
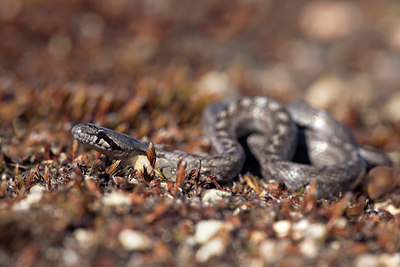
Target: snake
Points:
(294, 145)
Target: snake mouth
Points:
(91, 140)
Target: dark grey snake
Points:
(275, 135)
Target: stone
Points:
(134, 240)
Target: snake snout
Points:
(76, 132)
(84, 133)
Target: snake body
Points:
(275, 135)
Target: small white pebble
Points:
(335, 91)
(316, 231)
(21, 206)
(216, 83)
(140, 163)
(299, 229)
(335, 245)
(214, 247)
(282, 227)
(70, 257)
(34, 196)
(85, 237)
(116, 199)
(341, 223)
(309, 248)
(212, 196)
(134, 240)
(389, 260)
(392, 110)
(53, 253)
(329, 20)
(269, 250)
(205, 230)
(301, 225)
(381, 205)
(257, 236)
(37, 189)
(366, 260)
(392, 209)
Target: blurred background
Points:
(118, 62)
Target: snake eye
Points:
(104, 140)
(101, 134)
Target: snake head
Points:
(111, 143)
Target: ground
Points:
(148, 68)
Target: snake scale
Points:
(293, 145)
